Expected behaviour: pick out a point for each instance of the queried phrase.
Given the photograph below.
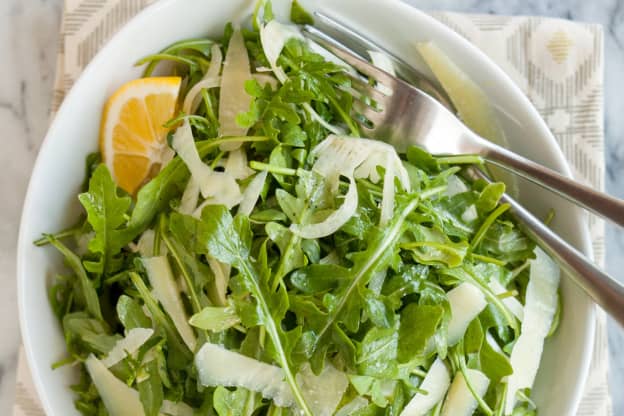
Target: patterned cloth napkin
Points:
(557, 63)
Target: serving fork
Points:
(406, 113)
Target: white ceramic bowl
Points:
(51, 202)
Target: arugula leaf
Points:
(88, 294)
(151, 389)
(418, 324)
(131, 314)
(299, 15)
(215, 318)
(377, 353)
(239, 402)
(106, 212)
(344, 305)
(84, 334)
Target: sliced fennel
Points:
(219, 186)
(236, 164)
(209, 80)
(353, 158)
(188, 203)
(252, 193)
(221, 273)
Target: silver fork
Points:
(409, 116)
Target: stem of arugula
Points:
(487, 224)
(196, 305)
(461, 159)
(271, 329)
(462, 367)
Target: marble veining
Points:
(28, 43)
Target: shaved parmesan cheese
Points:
(455, 186)
(323, 392)
(121, 400)
(334, 221)
(219, 186)
(233, 99)
(466, 302)
(511, 302)
(128, 345)
(252, 193)
(436, 383)
(188, 203)
(166, 291)
(118, 398)
(221, 272)
(176, 409)
(145, 245)
(460, 401)
(236, 165)
(354, 405)
(539, 310)
(470, 214)
(217, 366)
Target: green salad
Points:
(280, 263)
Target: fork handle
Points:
(601, 287)
(599, 203)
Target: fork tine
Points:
(372, 115)
(364, 88)
(361, 45)
(349, 57)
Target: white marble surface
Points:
(28, 42)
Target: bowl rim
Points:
(145, 15)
